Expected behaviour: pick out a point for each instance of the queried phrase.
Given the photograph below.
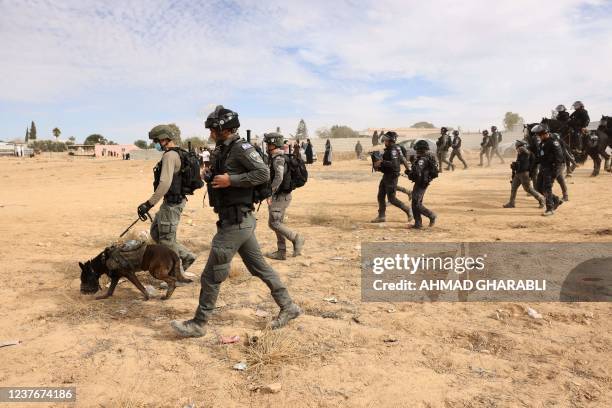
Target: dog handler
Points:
(236, 170)
(167, 185)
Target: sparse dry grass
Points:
(273, 349)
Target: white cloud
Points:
(322, 59)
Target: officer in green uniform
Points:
(237, 170)
(281, 199)
(167, 185)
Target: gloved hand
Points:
(407, 172)
(143, 209)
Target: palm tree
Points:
(56, 133)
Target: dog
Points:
(161, 262)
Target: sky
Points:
(119, 68)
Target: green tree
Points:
(56, 133)
(27, 136)
(341, 132)
(95, 139)
(195, 142)
(423, 125)
(141, 144)
(512, 119)
(32, 131)
(302, 131)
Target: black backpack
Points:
(297, 171)
(191, 178)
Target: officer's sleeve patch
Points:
(256, 157)
(246, 146)
(556, 143)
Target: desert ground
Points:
(121, 352)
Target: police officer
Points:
(485, 147)
(496, 138)
(443, 144)
(456, 146)
(560, 175)
(550, 157)
(423, 170)
(167, 186)
(562, 114)
(390, 166)
(237, 171)
(579, 120)
(520, 174)
(281, 199)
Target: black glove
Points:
(143, 209)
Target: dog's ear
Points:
(81, 265)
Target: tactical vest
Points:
(174, 195)
(392, 154)
(285, 186)
(231, 201)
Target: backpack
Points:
(433, 169)
(191, 179)
(297, 171)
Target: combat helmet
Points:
(421, 146)
(560, 108)
(485, 132)
(578, 105)
(443, 129)
(455, 132)
(390, 135)
(222, 118)
(539, 129)
(170, 132)
(275, 139)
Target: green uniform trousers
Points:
(228, 240)
(164, 227)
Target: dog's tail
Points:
(176, 270)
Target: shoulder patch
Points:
(246, 146)
(556, 143)
(255, 156)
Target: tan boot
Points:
(298, 245)
(278, 255)
(188, 328)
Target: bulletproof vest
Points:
(456, 144)
(228, 199)
(174, 194)
(285, 186)
(563, 116)
(550, 153)
(392, 154)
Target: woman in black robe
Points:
(327, 158)
(309, 155)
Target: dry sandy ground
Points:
(122, 352)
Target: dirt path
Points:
(121, 351)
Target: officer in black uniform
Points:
(423, 170)
(560, 175)
(579, 120)
(390, 166)
(456, 146)
(443, 144)
(562, 114)
(237, 174)
(550, 157)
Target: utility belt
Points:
(174, 199)
(232, 215)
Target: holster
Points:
(232, 215)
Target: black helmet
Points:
(493, 128)
(560, 108)
(485, 132)
(520, 143)
(455, 133)
(421, 145)
(577, 105)
(275, 139)
(222, 118)
(390, 135)
(443, 129)
(539, 129)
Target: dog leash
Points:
(140, 218)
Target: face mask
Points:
(158, 147)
